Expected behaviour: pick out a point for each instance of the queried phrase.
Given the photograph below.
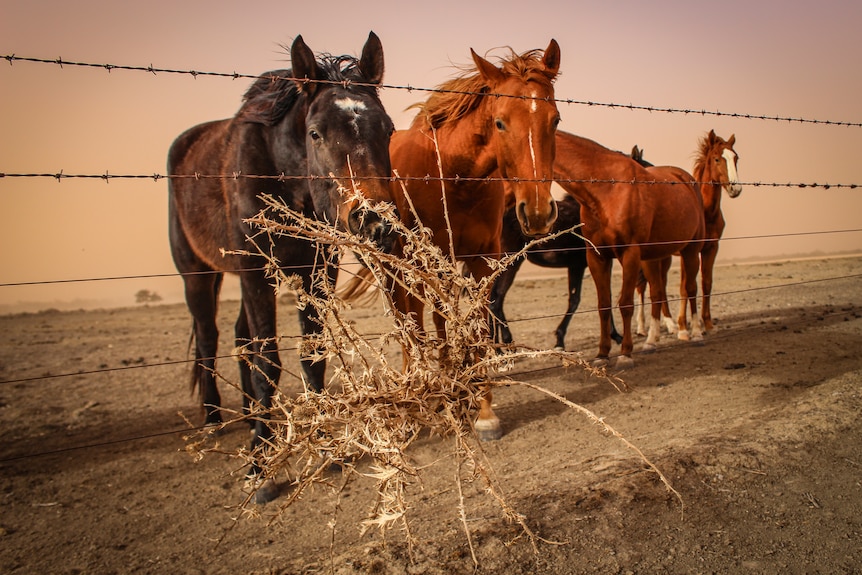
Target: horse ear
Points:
(304, 66)
(732, 140)
(489, 72)
(551, 59)
(371, 61)
(711, 137)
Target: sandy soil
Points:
(758, 430)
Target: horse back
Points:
(677, 211)
(207, 206)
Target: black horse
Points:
(565, 251)
(323, 118)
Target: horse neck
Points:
(285, 142)
(464, 148)
(710, 192)
(580, 159)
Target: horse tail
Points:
(357, 286)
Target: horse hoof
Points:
(625, 361)
(648, 348)
(683, 335)
(559, 348)
(599, 362)
(488, 429)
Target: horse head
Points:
(523, 121)
(723, 158)
(347, 134)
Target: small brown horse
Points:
(715, 168)
(286, 126)
(489, 123)
(632, 222)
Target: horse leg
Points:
(202, 286)
(688, 293)
(487, 424)
(630, 261)
(600, 270)
(499, 324)
(666, 318)
(309, 318)
(202, 292)
(658, 295)
(707, 263)
(576, 280)
(641, 292)
(242, 336)
(258, 299)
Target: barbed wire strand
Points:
(289, 268)
(570, 101)
(106, 443)
(715, 296)
(106, 177)
(513, 376)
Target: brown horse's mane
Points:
(461, 95)
(701, 156)
(274, 93)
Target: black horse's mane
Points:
(275, 93)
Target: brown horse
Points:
(566, 251)
(336, 129)
(714, 170)
(489, 123)
(632, 222)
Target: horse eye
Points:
(499, 124)
(314, 135)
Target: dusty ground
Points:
(758, 430)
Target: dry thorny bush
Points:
(377, 402)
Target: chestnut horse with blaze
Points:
(491, 123)
(630, 216)
(715, 169)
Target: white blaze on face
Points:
(533, 108)
(353, 108)
(733, 188)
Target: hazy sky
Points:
(782, 58)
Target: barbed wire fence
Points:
(157, 177)
(11, 58)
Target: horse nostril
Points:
(354, 222)
(554, 214)
(521, 212)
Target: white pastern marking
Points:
(734, 188)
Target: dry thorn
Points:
(375, 410)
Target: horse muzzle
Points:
(536, 223)
(733, 189)
(370, 225)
